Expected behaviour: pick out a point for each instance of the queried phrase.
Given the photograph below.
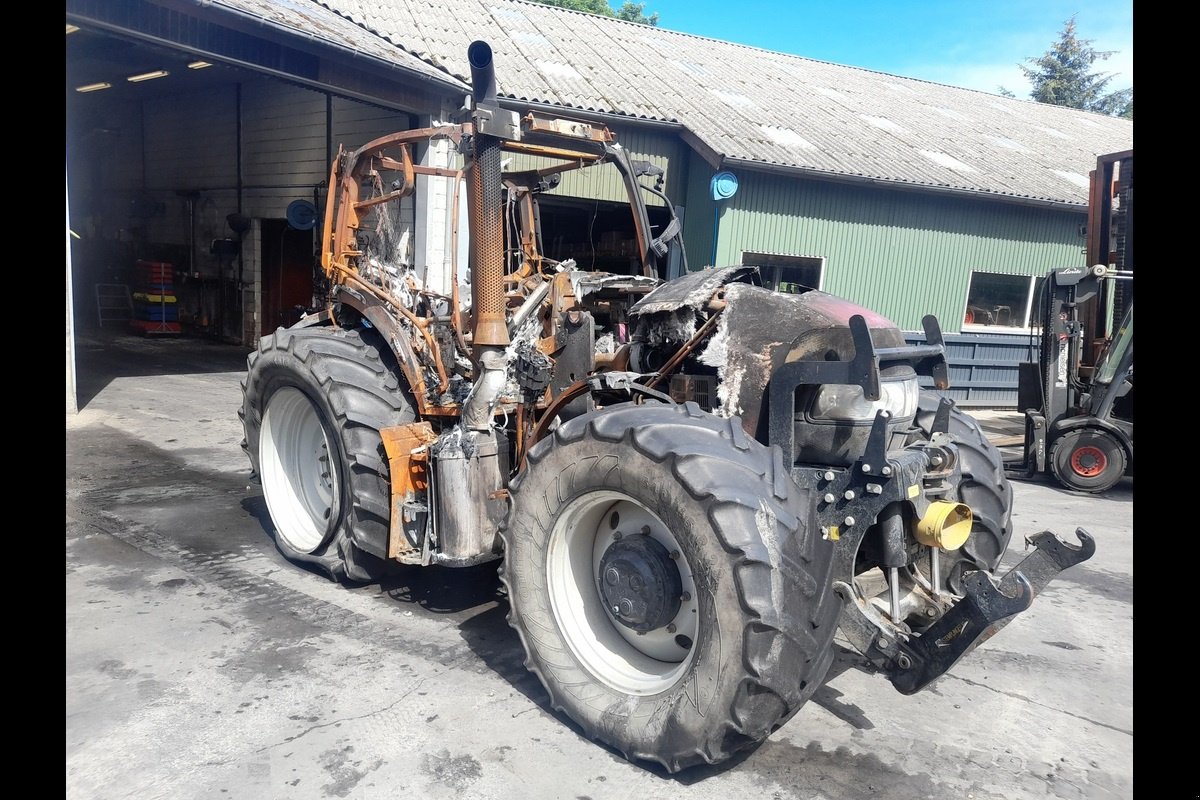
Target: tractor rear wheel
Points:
(314, 400)
(984, 488)
(667, 582)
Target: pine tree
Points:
(1062, 76)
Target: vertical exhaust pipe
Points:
(489, 329)
(483, 74)
(485, 211)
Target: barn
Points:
(200, 135)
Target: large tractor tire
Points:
(1088, 460)
(984, 488)
(314, 400)
(667, 582)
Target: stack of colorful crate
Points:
(154, 306)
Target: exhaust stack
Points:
(484, 198)
(483, 74)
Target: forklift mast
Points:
(1109, 242)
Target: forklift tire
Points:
(314, 400)
(1087, 460)
(667, 582)
(984, 488)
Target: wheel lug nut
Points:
(617, 534)
(674, 554)
(671, 628)
(829, 498)
(849, 495)
(685, 597)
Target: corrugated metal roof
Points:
(309, 19)
(758, 106)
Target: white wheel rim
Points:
(299, 471)
(615, 654)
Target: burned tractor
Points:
(692, 483)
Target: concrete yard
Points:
(201, 664)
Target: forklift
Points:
(1078, 396)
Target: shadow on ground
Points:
(102, 354)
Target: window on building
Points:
(790, 274)
(1002, 301)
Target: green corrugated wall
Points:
(604, 182)
(903, 254)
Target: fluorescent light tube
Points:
(147, 76)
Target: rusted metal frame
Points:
(616, 362)
(603, 381)
(409, 479)
(350, 165)
(550, 152)
(331, 196)
(345, 218)
(438, 172)
(384, 198)
(532, 259)
(335, 264)
(341, 224)
(452, 132)
(374, 310)
(350, 275)
(410, 180)
(520, 431)
(534, 122)
(561, 298)
(691, 345)
(402, 192)
(528, 235)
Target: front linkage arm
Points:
(852, 500)
(986, 609)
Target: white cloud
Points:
(987, 66)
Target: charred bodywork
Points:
(535, 356)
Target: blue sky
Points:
(971, 43)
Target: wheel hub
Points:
(640, 583)
(1088, 461)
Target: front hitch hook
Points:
(986, 608)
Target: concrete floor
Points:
(201, 664)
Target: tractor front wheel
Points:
(667, 582)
